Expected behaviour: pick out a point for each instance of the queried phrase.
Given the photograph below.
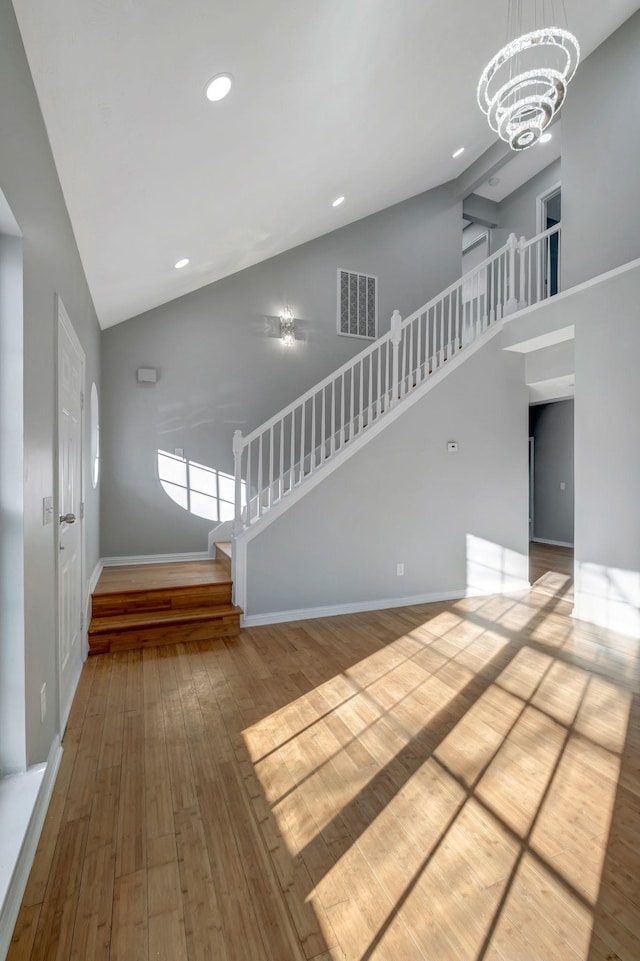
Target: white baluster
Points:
(260, 481)
(512, 304)
(522, 302)
(281, 484)
(302, 438)
(396, 334)
(270, 500)
(333, 417)
(558, 274)
(238, 447)
(323, 452)
(312, 459)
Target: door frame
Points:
(63, 320)
(541, 205)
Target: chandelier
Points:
(523, 87)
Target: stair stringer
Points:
(241, 540)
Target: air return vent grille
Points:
(357, 304)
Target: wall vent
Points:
(357, 304)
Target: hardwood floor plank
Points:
(130, 932)
(21, 946)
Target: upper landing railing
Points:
(292, 445)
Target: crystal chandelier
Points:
(523, 87)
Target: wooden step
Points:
(144, 605)
(162, 599)
(139, 629)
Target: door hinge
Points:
(81, 510)
(81, 400)
(81, 621)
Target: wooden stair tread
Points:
(140, 619)
(150, 577)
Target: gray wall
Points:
(222, 366)
(51, 265)
(517, 212)
(404, 499)
(607, 453)
(551, 426)
(600, 150)
(12, 679)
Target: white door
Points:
(68, 515)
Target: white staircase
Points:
(293, 450)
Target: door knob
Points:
(67, 518)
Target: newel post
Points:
(512, 304)
(396, 337)
(238, 447)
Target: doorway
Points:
(549, 213)
(71, 364)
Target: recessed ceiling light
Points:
(181, 263)
(493, 181)
(337, 201)
(545, 138)
(458, 152)
(219, 87)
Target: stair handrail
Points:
(436, 330)
(326, 381)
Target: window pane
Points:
(172, 468)
(227, 487)
(204, 506)
(176, 493)
(202, 479)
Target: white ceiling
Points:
(366, 98)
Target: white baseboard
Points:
(18, 883)
(614, 615)
(543, 540)
(358, 607)
(95, 577)
(153, 559)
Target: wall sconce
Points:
(287, 327)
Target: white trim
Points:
(621, 618)
(154, 559)
(95, 577)
(18, 883)
(90, 588)
(357, 607)
(63, 320)
(569, 292)
(541, 205)
(543, 540)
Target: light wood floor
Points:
(452, 782)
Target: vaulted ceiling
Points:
(362, 98)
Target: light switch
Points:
(47, 510)
(562, 485)
(452, 447)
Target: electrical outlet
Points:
(43, 702)
(47, 510)
(562, 485)
(400, 570)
